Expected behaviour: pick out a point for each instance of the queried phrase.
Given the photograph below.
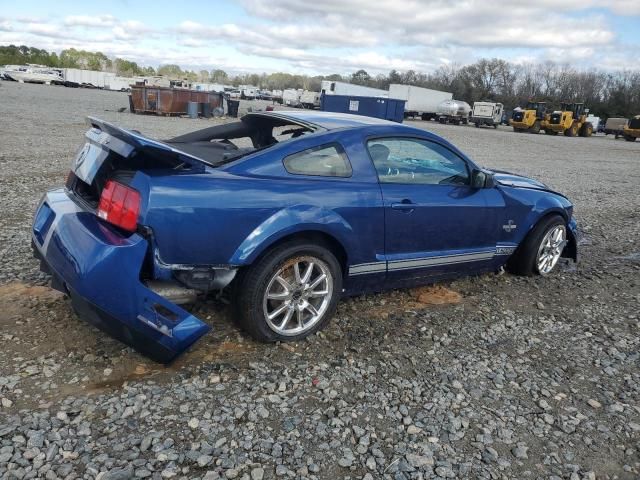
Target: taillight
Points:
(119, 205)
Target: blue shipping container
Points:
(378, 107)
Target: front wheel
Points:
(290, 293)
(542, 248)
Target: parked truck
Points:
(419, 102)
(487, 113)
(453, 111)
(310, 99)
(614, 126)
(329, 87)
(291, 97)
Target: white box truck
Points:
(329, 87)
(310, 99)
(487, 113)
(291, 97)
(419, 102)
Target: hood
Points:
(518, 181)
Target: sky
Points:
(332, 36)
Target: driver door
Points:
(435, 222)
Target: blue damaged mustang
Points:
(291, 211)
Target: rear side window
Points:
(323, 161)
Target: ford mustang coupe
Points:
(290, 211)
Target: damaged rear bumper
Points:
(99, 268)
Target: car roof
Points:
(324, 120)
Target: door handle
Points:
(406, 205)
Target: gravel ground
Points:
(494, 377)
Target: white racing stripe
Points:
(439, 261)
(436, 261)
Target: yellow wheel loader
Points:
(532, 119)
(571, 120)
(631, 130)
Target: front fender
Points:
(296, 219)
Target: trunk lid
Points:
(104, 140)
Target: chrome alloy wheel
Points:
(298, 295)
(551, 248)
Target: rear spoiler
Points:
(139, 143)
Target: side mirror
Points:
(481, 179)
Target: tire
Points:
(572, 131)
(535, 128)
(495, 125)
(251, 303)
(524, 260)
(629, 138)
(586, 130)
(477, 125)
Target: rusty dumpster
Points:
(170, 101)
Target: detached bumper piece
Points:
(99, 268)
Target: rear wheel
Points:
(290, 293)
(629, 138)
(477, 125)
(541, 249)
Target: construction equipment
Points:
(631, 131)
(532, 119)
(571, 120)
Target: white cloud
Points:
(100, 21)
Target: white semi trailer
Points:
(76, 77)
(419, 102)
(329, 87)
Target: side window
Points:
(410, 160)
(325, 161)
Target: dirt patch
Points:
(413, 300)
(435, 295)
(16, 298)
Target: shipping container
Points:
(170, 101)
(385, 108)
(343, 88)
(420, 102)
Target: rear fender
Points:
(297, 219)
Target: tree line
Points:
(605, 93)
